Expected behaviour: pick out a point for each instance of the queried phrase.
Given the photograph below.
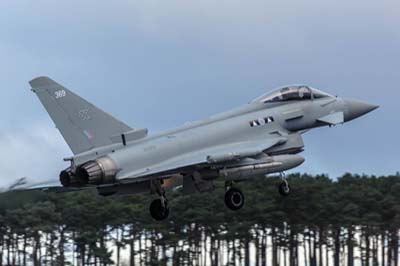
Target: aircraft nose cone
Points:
(356, 109)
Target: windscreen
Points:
(291, 93)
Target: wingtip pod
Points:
(42, 82)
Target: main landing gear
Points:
(159, 209)
(234, 198)
(284, 187)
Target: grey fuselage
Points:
(234, 126)
(260, 138)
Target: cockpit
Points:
(292, 93)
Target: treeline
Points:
(352, 221)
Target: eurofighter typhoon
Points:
(261, 138)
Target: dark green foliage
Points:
(322, 222)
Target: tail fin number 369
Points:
(60, 94)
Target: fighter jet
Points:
(260, 138)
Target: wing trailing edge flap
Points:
(212, 155)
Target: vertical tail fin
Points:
(83, 125)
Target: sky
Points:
(160, 64)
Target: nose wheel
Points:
(234, 198)
(284, 187)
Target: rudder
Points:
(83, 125)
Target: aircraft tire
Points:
(234, 199)
(284, 189)
(157, 211)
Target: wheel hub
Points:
(236, 199)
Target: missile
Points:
(277, 164)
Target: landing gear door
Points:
(195, 183)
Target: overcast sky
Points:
(159, 64)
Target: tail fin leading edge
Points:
(83, 125)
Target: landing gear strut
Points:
(234, 198)
(159, 209)
(284, 187)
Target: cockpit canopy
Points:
(292, 93)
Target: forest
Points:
(352, 220)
